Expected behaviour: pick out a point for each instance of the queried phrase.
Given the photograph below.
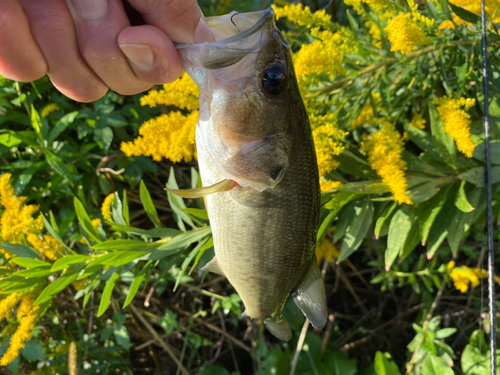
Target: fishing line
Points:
(491, 255)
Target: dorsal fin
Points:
(213, 266)
(310, 296)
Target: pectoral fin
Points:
(279, 328)
(224, 185)
(310, 296)
(213, 266)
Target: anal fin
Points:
(279, 328)
(219, 187)
(213, 266)
(310, 296)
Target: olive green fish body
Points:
(253, 131)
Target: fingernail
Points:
(203, 33)
(91, 8)
(141, 56)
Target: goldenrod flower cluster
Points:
(303, 16)
(418, 121)
(325, 249)
(323, 57)
(327, 185)
(328, 141)
(28, 316)
(375, 32)
(46, 245)
(492, 8)
(463, 276)
(106, 207)
(171, 135)
(17, 220)
(382, 8)
(366, 115)
(456, 121)
(384, 150)
(18, 226)
(182, 94)
(48, 109)
(405, 32)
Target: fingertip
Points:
(151, 54)
(25, 71)
(84, 94)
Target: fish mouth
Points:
(234, 26)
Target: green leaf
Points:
(20, 250)
(197, 212)
(67, 261)
(461, 201)
(126, 245)
(116, 259)
(136, 284)
(358, 228)
(156, 232)
(423, 140)
(439, 229)
(187, 261)
(399, 229)
(85, 221)
(168, 322)
(33, 351)
(29, 262)
(428, 211)
(434, 365)
(126, 214)
(425, 191)
(106, 294)
(149, 206)
(103, 135)
(54, 234)
(9, 140)
(340, 199)
(58, 165)
(384, 219)
(477, 176)
(208, 245)
(384, 365)
(445, 332)
(24, 179)
(61, 125)
(35, 272)
(365, 187)
(442, 141)
(36, 123)
(462, 221)
(185, 239)
(55, 287)
(465, 14)
(177, 204)
(479, 151)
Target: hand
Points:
(88, 46)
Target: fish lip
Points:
(267, 15)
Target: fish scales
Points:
(254, 131)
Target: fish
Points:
(258, 167)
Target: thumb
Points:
(181, 20)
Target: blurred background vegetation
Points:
(100, 268)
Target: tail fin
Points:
(279, 328)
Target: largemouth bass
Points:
(258, 167)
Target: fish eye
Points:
(273, 80)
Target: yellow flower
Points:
(49, 246)
(418, 121)
(48, 109)
(96, 223)
(26, 305)
(17, 220)
(384, 151)
(380, 7)
(374, 31)
(170, 136)
(404, 33)
(303, 16)
(492, 8)
(328, 141)
(327, 185)
(18, 339)
(446, 24)
(8, 303)
(106, 207)
(79, 284)
(325, 56)
(456, 121)
(366, 115)
(325, 249)
(182, 93)
(450, 266)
